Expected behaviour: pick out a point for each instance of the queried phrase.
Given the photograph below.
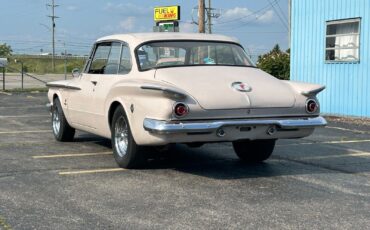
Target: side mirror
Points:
(76, 72)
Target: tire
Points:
(61, 129)
(125, 150)
(254, 151)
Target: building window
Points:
(343, 40)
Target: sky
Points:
(258, 25)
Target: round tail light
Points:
(181, 110)
(311, 106)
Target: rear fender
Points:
(143, 99)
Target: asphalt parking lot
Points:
(319, 182)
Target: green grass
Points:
(43, 65)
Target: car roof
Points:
(138, 38)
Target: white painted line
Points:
(361, 154)
(327, 142)
(19, 132)
(25, 116)
(5, 93)
(22, 107)
(72, 155)
(344, 142)
(92, 171)
(350, 130)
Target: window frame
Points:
(93, 55)
(93, 51)
(124, 44)
(338, 22)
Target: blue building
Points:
(330, 45)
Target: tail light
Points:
(181, 109)
(311, 106)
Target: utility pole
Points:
(290, 22)
(201, 18)
(53, 17)
(65, 61)
(209, 15)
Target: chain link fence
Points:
(34, 71)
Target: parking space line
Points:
(360, 154)
(327, 142)
(350, 130)
(91, 171)
(71, 155)
(22, 107)
(26, 131)
(5, 93)
(25, 116)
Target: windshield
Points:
(190, 53)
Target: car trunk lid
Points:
(212, 86)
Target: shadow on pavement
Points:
(218, 161)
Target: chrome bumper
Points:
(165, 127)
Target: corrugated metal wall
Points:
(348, 84)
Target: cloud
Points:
(266, 17)
(186, 27)
(72, 8)
(128, 24)
(243, 14)
(129, 9)
(237, 12)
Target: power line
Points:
(254, 32)
(249, 22)
(277, 13)
(267, 7)
(281, 11)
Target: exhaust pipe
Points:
(271, 130)
(220, 132)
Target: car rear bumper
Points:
(165, 127)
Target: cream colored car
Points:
(155, 89)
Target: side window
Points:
(125, 65)
(113, 59)
(100, 58)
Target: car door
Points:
(118, 65)
(82, 105)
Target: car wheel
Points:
(254, 151)
(125, 150)
(61, 129)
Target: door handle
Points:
(94, 82)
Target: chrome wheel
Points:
(56, 120)
(121, 136)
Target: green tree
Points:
(5, 50)
(276, 63)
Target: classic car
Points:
(157, 89)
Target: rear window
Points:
(190, 53)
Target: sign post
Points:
(3, 64)
(3, 78)
(166, 18)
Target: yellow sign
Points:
(167, 13)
